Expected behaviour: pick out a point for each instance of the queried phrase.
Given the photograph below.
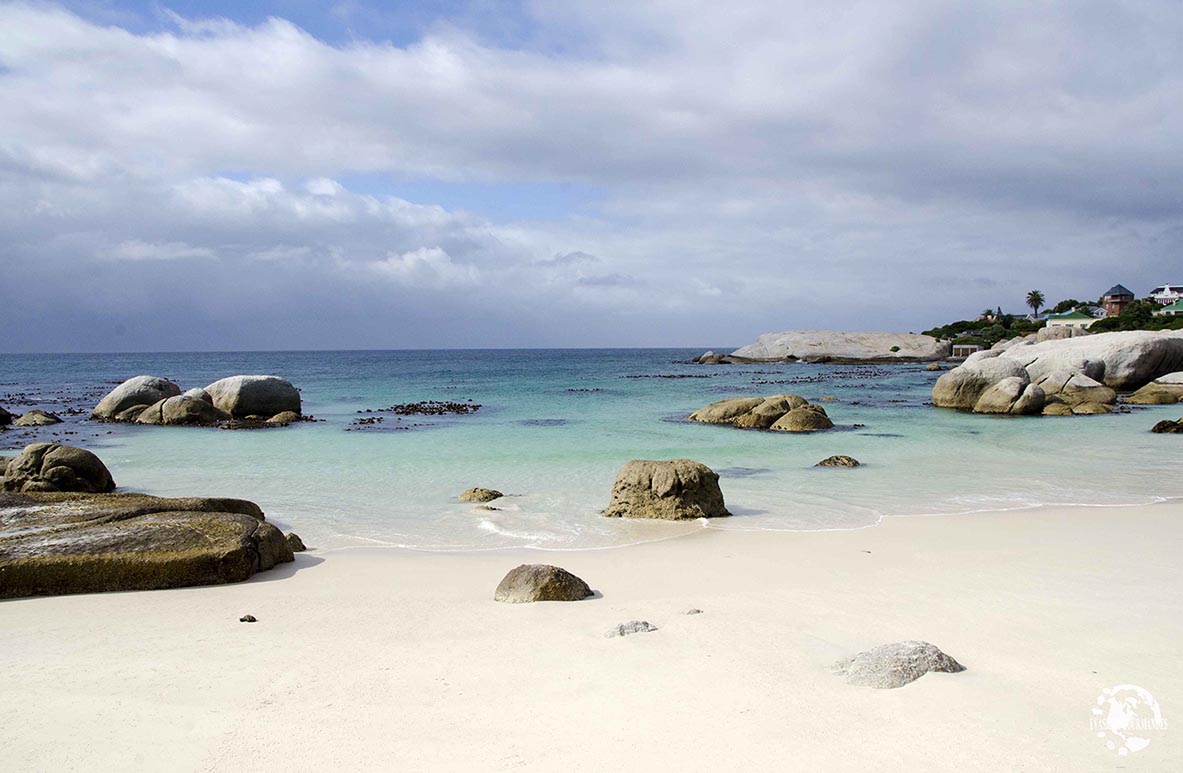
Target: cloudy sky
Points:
(471, 173)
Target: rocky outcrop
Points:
(894, 665)
(1164, 390)
(1165, 426)
(670, 490)
(55, 543)
(1014, 395)
(540, 582)
(5, 417)
(284, 419)
(838, 461)
(263, 396)
(37, 418)
(835, 346)
(181, 410)
(198, 393)
(783, 413)
(480, 495)
(54, 467)
(1079, 375)
(1058, 333)
(140, 390)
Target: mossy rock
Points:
(58, 543)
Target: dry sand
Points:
(392, 659)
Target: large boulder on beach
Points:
(37, 418)
(894, 665)
(1164, 390)
(540, 582)
(180, 411)
(679, 489)
(55, 543)
(54, 467)
(242, 396)
(828, 345)
(140, 390)
(963, 386)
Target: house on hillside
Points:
(1116, 299)
(1074, 318)
(1167, 294)
(1172, 310)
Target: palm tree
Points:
(1035, 300)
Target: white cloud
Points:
(134, 249)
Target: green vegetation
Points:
(1138, 315)
(985, 332)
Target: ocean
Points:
(554, 427)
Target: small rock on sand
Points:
(629, 628)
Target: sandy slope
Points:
(400, 660)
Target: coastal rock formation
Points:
(1014, 395)
(835, 345)
(199, 394)
(4, 462)
(629, 628)
(894, 665)
(54, 467)
(1082, 374)
(285, 418)
(37, 418)
(783, 413)
(807, 418)
(1057, 333)
(264, 396)
(1164, 390)
(295, 543)
(480, 495)
(54, 543)
(181, 410)
(670, 490)
(140, 390)
(838, 461)
(963, 386)
(1166, 426)
(540, 582)
(5, 417)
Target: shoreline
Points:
(368, 657)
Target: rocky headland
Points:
(836, 346)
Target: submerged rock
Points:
(285, 418)
(670, 490)
(540, 582)
(894, 665)
(140, 390)
(37, 418)
(54, 467)
(1163, 426)
(56, 543)
(838, 461)
(478, 494)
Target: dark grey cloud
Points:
(762, 166)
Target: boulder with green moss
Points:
(59, 543)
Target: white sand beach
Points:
(397, 660)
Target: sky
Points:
(467, 173)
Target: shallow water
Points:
(554, 427)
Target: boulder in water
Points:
(257, 396)
(679, 489)
(479, 494)
(54, 467)
(37, 418)
(807, 418)
(140, 390)
(181, 410)
(838, 461)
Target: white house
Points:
(1167, 294)
(1072, 318)
(1171, 310)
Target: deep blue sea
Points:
(555, 426)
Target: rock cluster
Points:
(782, 413)
(540, 582)
(241, 401)
(895, 665)
(1070, 376)
(680, 489)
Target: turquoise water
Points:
(556, 425)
